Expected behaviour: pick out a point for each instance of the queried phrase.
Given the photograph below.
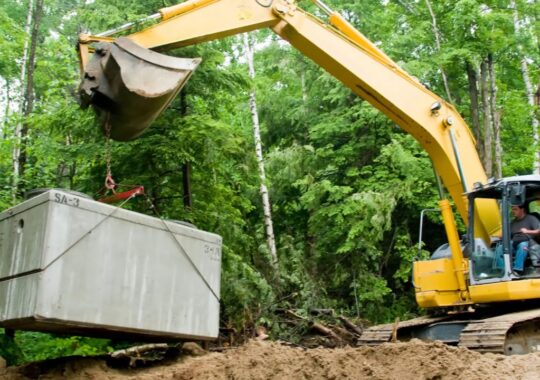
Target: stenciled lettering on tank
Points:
(213, 252)
(64, 199)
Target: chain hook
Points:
(109, 183)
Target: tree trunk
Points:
(472, 75)
(72, 167)
(536, 135)
(529, 90)
(303, 86)
(16, 153)
(186, 181)
(437, 35)
(258, 149)
(186, 166)
(7, 112)
(495, 118)
(487, 123)
(29, 91)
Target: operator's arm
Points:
(533, 226)
(527, 231)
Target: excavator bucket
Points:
(130, 86)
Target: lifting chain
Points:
(109, 181)
(110, 184)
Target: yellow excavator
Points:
(474, 298)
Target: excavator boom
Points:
(346, 54)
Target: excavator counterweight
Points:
(130, 86)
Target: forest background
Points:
(346, 185)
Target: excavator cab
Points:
(130, 86)
(493, 262)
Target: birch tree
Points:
(271, 241)
(437, 36)
(528, 89)
(17, 136)
(495, 118)
(29, 83)
(487, 121)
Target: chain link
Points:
(108, 152)
(109, 181)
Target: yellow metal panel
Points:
(175, 10)
(438, 299)
(505, 291)
(453, 241)
(436, 275)
(436, 284)
(209, 21)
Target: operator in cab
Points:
(523, 227)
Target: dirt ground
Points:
(269, 360)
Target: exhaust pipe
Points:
(130, 86)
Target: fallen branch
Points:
(138, 350)
(325, 331)
(345, 334)
(351, 326)
(292, 314)
(141, 355)
(329, 312)
(394, 331)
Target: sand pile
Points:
(270, 360)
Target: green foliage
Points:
(9, 350)
(39, 346)
(33, 346)
(10, 41)
(246, 294)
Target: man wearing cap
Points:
(523, 227)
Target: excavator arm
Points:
(350, 57)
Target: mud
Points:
(270, 360)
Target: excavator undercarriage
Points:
(496, 330)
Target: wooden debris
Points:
(292, 314)
(321, 327)
(329, 312)
(138, 350)
(344, 334)
(394, 331)
(260, 333)
(142, 355)
(351, 326)
(228, 334)
(325, 331)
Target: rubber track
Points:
(379, 334)
(489, 335)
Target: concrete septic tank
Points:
(73, 265)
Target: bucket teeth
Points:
(130, 86)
